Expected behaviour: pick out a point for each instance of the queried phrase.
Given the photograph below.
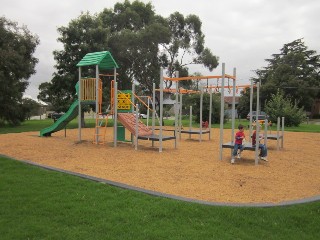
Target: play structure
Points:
(179, 92)
(204, 126)
(248, 145)
(125, 112)
(122, 102)
(61, 122)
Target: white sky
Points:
(241, 32)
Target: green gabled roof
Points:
(103, 59)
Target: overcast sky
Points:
(242, 33)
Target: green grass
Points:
(40, 204)
(37, 125)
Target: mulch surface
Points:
(192, 170)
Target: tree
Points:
(135, 36)
(295, 70)
(30, 108)
(83, 34)
(194, 101)
(243, 107)
(17, 64)
(186, 45)
(279, 106)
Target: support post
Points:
(148, 110)
(233, 113)
(251, 113)
(201, 106)
(222, 111)
(79, 106)
(278, 130)
(210, 112)
(132, 96)
(161, 109)
(154, 109)
(190, 121)
(136, 127)
(115, 115)
(257, 125)
(282, 139)
(180, 115)
(265, 133)
(176, 111)
(97, 103)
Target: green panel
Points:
(121, 133)
(103, 59)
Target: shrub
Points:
(279, 106)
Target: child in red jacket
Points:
(238, 146)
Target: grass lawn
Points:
(40, 204)
(37, 125)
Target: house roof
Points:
(228, 99)
(103, 59)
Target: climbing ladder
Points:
(101, 121)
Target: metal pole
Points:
(190, 121)
(153, 108)
(180, 115)
(222, 111)
(176, 110)
(148, 111)
(97, 103)
(278, 129)
(210, 112)
(266, 132)
(201, 104)
(161, 109)
(233, 105)
(79, 106)
(115, 119)
(251, 113)
(132, 96)
(282, 139)
(257, 125)
(136, 127)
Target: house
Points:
(228, 109)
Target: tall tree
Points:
(135, 36)
(17, 64)
(83, 34)
(295, 70)
(136, 33)
(186, 45)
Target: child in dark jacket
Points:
(262, 147)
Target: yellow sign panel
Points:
(124, 101)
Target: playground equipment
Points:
(178, 120)
(89, 91)
(61, 122)
(248, 145)
(178, 112)
(279, 136)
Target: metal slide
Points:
(62, 121)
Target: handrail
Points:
(142, 101)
